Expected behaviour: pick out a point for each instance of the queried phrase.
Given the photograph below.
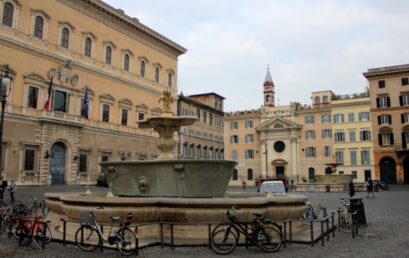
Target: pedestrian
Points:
(369, 188)
(3, 186)
(244, 184)
(351, 189)
(12, 189)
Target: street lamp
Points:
(5, 84)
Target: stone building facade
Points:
(204, 139)
(104, 71)
(389, 97)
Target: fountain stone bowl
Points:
(169, 178)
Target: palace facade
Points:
(102, 71)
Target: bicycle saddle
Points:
(114, 218)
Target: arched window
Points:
(126, 62)
(108, 55)
(328, 171)
(88, 46)
(317, 100)
(268, 98)
(235, 175)
(38, 27)
(250, 174)
(325, 99)
(65, 38)
(142, 69)
(8, 12)
(156, 74)
(170, 78)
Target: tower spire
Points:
(268, 89)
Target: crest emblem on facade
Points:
(66, 67)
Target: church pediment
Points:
(277, 124)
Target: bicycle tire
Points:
(25, 233)
(308, 215)
(221, 243)
(44, 233)
(269, 239)
(127, 242)
(90, 239)
(2, 224)
(345, 222)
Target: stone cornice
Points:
(116, 18)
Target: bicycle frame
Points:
(241, 229)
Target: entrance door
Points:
(406, 170)
(311, 174)
(57, 164)
(279, 171)
(367, 175)
(388, 170)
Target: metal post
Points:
(209, 234)
(291, 232)
(333, 224)
(312, 233)
(161, 235)
(3, 105)
(327, 222)
(322, 233)
(339, 219)
(171, 236)
(285, 234)
(64, 230)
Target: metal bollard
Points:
(161, 235)
(171, 237)
(312, 233)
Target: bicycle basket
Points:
(85, 218)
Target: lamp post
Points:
(5, 83)
(266, 158)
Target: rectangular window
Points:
(365, 157)
(249, 154)
(249, 124)
(327, 150)
(60, 101)
(339, 156)
(351, 117)
(142, 157)
(105, 113)
(353, 157)
(29, 159)
(32, 97)
(365, 135)
(352, 136)
(310, 134)
(234, 139)
(309, 119)
(310, 152)
(405, 118)
(381, 84)
(404, 100)
(234, 155)
(326, 134)
(364, 116)
(83, 163)
(338, 118)
(339, 137)
(354, 174)
(383, 102)
(249, 138)
(124, 117)
(326, 118)
(234, 125)
(384, 119)
(386, 139)
(141, 116)
(405, 81)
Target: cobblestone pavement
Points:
(386, 235)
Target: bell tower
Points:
(268, 90)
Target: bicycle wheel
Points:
(224, 239)
(2, 224)
(345, 222)
(269, 238)
(25, 233)
(127, 241)
(44, 233)
(87, 238)
(308, 215)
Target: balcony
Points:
(61, 118)
(400, 150)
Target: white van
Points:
(275, 187)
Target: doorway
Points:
(388, 170)
(279, 171)
(57, 164)
(406, 170)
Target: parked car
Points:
(282, 179)
(275, 187)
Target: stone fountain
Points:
(171, 190)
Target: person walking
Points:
(351, 189)
(12, 190)
(369, 188)
(244, 184)
(3, 186)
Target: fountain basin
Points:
(169, 178)
(333, 179)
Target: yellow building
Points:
(70, 48)
(352, 136)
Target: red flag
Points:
(48, 102)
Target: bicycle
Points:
(89, 236)
(263, 233)
(36, 233)
(38, 207)
(345, 216)
(313, 212)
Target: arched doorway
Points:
(388, 170)
(235, 175)
(57, 164)
(406, 170)
(311, 174)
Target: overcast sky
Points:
(308, 45)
